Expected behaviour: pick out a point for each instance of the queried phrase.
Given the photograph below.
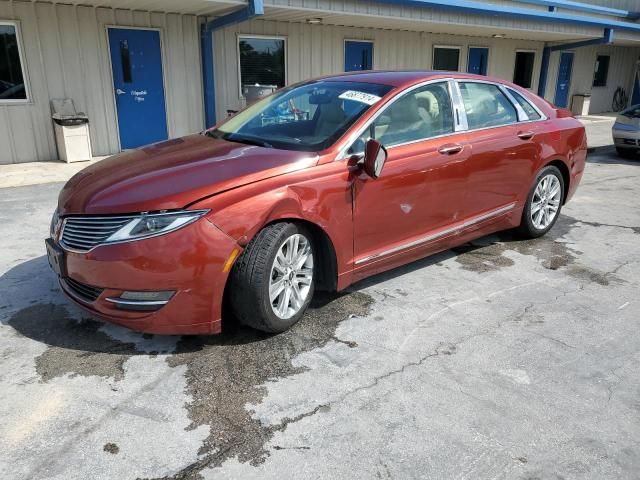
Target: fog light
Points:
(141, 301)
(147, 296)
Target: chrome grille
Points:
(81, 234)
(83, 291)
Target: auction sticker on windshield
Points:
(362, 97)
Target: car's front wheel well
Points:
(566, 176)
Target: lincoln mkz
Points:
(313, 188)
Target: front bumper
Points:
(190, 261)
(626, 136)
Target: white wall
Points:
(622, 65)
(314, 50)
(66, 55)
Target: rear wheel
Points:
(273, 281)
(543, 203)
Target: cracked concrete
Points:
(503, 358)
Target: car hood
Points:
(173, 174)
(632, 121)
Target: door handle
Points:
(450, 148)
(526, 135)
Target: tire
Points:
(530, 225)
(257, 271)
(625, 152)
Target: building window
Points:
(523, 71)
(446, 58)
(601, 71)
(262, 61)
(12, 82)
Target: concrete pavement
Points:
(500, 359)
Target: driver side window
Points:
(418, 115)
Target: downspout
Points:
(253, 9)
(606, 39)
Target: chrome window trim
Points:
(533, 105)
(342, 154)
(522, 115)
(499, 87)
(462, 124)
(457, 105)
(434, 236)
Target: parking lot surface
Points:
(501, 359)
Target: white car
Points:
(626, 132)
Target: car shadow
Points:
(36, 308)
(609, 156)
(33, 304)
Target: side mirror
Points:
(374, 157)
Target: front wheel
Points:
(272, 282)
(543, 203)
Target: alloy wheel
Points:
(545, 203)
(291, 276)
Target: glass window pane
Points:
(262, 61)
(309, 117)
(446, 59)
(523, 71)
(601, 71)
(486, 106)
(531, 112)
(11, 81)
(418, 115)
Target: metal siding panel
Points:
(66, 55)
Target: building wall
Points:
(622, 65)
(66, 55)
(314, 50)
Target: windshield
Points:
(632, 112)
(310, 117)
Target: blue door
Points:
(564, 80)
(635, 97)
(478, 59)
(358, 55)
(136, 61)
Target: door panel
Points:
(358, 55)
(564, 79)
(136, 61)
(502, 149)
(420, 190)
(500, 166)
(478, 60)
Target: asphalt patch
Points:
(76, 347)
(487, 253)
(228, 371)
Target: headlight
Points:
(152, 224)
(54, 228)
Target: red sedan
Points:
(312, 188)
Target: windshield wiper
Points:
(249, 141)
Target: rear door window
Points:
(531, 112)
(486, 105)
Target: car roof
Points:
(406, 77)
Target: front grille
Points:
(82, 291)
(83, 233)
